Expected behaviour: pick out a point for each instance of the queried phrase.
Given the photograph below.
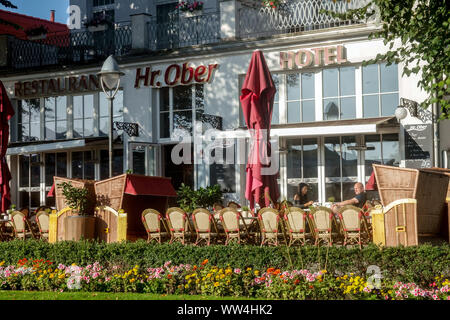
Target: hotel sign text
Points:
(314, 57)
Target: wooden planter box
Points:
(133, 194)
(57, 224)
(79, 227)
(405, 220)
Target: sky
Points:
(41, 8)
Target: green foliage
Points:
(76, 198)
(417, 32)
(189, 199)
(408, 264)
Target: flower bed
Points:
(205, 279)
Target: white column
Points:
(229, 19)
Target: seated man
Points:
(357, 201)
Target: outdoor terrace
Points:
(237, 20)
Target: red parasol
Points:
(6, 112)
(371, 183)
(257, 97)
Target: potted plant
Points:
(82, 224)
(99, 23)
(189, 199)
(36, 33)
(190, 9)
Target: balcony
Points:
(76, 47)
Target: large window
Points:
(83, 165)
(55, 113)
(300, 97)
(222, 173)
(302, 166)
(117, 167)
(104, 111)
(177, 109)
(380, 89)
(29, 180)
(29, 120)
(339, 100)
(55, 165)
(384, 149)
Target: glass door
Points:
(143, 159)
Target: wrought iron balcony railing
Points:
(68, 48)
(292, 16)
(181, 31)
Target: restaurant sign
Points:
(315, 57)
(174, 75)
(56, 86)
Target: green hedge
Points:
(408, 264)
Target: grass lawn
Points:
(48, 295)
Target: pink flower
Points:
(237, 270)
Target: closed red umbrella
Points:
(6, 112)
(371, 184)
(256, 99)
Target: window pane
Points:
(24, 135)
(347, 81)
(182, 97)
(370, 78)
(308, 111)
(50, 164)
(164, 99)
(276, 82)
(78, 107)
(294, 158)
(117, 162)
(389, 77)
(370, 106)
(333, 191)
(35, 110)
(372, 156)
(25, 111)
(348, 190)
(104, 126)
(24, 166)
(389, 102)
(183, 120)
(89, 105)
(35, 131)
(293, 86)
(308, 86)
(164, 125)
(348, 108)
(330, 82)
(77, 165)
(118, 104)
(104, 164)
(50, 109)
(35, 170)
(88, 127)
(275, 114)
(89, 169)
(24, 199)
(349, 157)
(61, 164)
(310, 158)
(293, 112)
(139, 160)
(35, 199)
(77, 128)
(391, 150)
(330, 109)
(61, 129)
(50, 133)
(199, 97)
(332, 157)
(103, 105)
(61, 108)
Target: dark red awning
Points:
(149, 186)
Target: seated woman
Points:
(300, 198)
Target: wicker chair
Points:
(154, 225)
(178, 224)
(230, 218)
(42, 220)
(321, 221)
(351, 218)
(21, 226)
(203, 223)
(296, 222)
(269, 220)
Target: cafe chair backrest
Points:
(177, 218)
(151, 219)
(42, 219)
(202, 219)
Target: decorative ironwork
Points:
(132, 129)
(182, 31)
(69, 48)
(292, 16)
(411, 105)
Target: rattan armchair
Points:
(230, 219)
(42, 221)
(204, 223)
(296, 221)
(154, 225)
(350, 224)
(321, 222)
(269, 220)
(178, 223)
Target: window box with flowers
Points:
(98, 24)
(36, 33)
(273, 4)
(189, 9)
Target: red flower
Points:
(205, 262)
(169, 276)
(296, 281)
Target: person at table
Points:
(301, 197)
(358, 200)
